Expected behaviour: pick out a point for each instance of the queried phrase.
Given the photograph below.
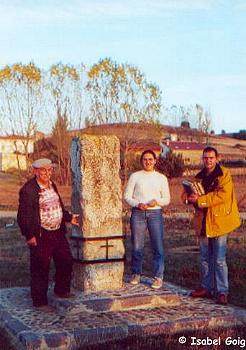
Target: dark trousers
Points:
(51, 244)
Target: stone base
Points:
(98, 277)
(89, 320)
(128, 297)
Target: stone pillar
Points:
(98, 246)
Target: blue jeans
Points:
(213, 264)
(153, 221)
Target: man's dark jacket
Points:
(28, 216)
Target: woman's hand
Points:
(142, 206)
(152, 203)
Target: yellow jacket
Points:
(222, 211)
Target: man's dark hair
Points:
(145, 152)
(210, 149)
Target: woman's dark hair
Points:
(210, 149)
(145, 152)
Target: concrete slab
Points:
(90, 319)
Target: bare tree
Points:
(61, 141)
(197, 116)
(21, 102)
(203, 119)
(67, 93)
(120, 93)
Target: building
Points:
(13, 150)
(138, 147)
(191, 151)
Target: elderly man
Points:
(216, 216)
(41, 217)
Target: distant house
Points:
(140, 146)
(12, 151)
(191, 151)
(183, 140)
(241, 134)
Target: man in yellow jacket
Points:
(216, 215)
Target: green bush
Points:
(172, 165)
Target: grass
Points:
(181, 258)
(182, 268)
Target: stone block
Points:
(91, 336)
(56, 340)
(96, 188)
(15, 326)
(4, 315)
(97, 195)
(31, 340)
(95, 277)
(102, 249)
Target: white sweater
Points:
(143, 186)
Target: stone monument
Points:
(97, 246)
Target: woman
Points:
(147, 191)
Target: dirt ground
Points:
(182, 253)
(9, 188)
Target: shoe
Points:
(201, 293)
(157, 283)
(45, 308)
(135, 279)
(222, 299)
(65, 295)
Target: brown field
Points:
(181, 257)
(9, 188)
(181, 249)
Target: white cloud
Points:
(19, 13)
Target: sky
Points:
(194, 50)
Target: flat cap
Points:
(41, 163)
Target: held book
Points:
(193, 187)
(188, 187)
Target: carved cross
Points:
(107, 246)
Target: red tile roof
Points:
(183, 145)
